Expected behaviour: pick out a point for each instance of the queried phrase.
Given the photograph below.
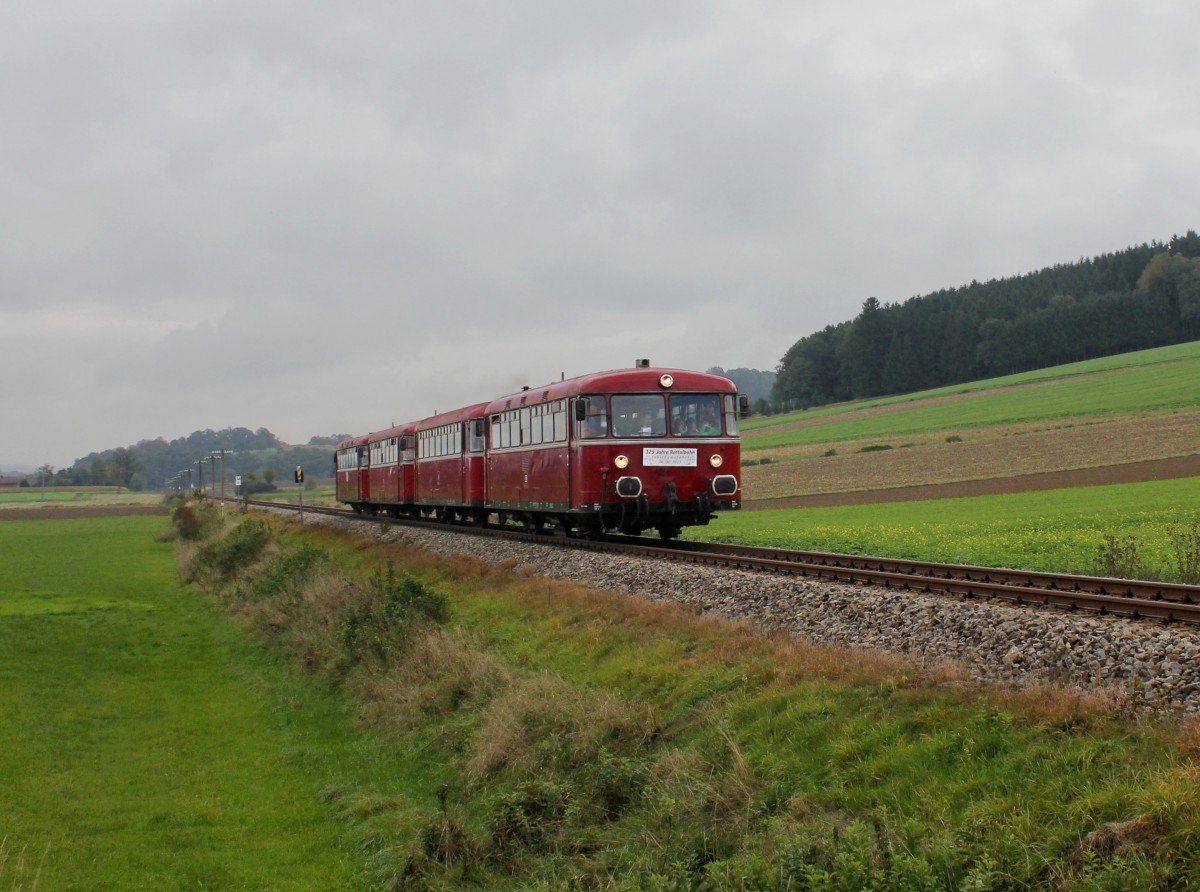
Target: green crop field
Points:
(1058, 530)
(146, 744)
(1155, 384)
(50, 494)
(1166, 377)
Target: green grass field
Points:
(1057, 530)
(1144, 388)
(146, 744)
(545, 738)
(1163, 378)
(53, 494)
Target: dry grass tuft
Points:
(1065, 709)
(442, 672)
(543, 721)
(14, 876)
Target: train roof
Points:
(635, 380)
(360, 440)
(475, 411)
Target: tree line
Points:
(1145, 296)
(258, 455)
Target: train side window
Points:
(594, 421)
(731, 415)
(560, 422)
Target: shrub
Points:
(878, 447)
(379, 625)
(954, 438)
(1185, 552)
(186, 523)
(193, 521)
(290, 572)
(236, 550)
(1120, 557)
(750, 463)
(529, 817)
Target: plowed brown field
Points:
(985, 461)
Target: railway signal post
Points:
(300, 491)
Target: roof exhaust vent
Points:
(641, 363)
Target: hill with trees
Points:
(751, 382)
(1145, 296)
(149, 463)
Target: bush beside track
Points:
(593, 741)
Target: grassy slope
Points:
(144, 742)
(1164, 377)
(1143, 389)
(605, 742)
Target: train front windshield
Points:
(676, 415)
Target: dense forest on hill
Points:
(1144, 296)
(151, 462)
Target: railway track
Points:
(1162, 601)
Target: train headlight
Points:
(622, 462)
(666, 381)
(715, 460)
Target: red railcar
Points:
(450, 481)
(350, 470)
(626, 450)
(390, 469)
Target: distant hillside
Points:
(149, 463)
(753, 383)
(1144, 296)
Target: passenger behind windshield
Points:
(639, 415)
(696, 415)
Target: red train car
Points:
(625, 450)
(629, 450)
(350, 471)
(450, 465)
(391, 460)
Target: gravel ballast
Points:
(1150, 665)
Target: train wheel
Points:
(666, 532)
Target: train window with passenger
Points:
(639, 415)
(695, 415)
(591, 417)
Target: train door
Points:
(364, 481)
(589, 473)
(473, 462)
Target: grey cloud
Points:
(448, 200)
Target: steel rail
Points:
(1139, 599)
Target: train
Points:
(624, 451)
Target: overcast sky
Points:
(327, 217)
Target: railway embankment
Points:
(1141, 664)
